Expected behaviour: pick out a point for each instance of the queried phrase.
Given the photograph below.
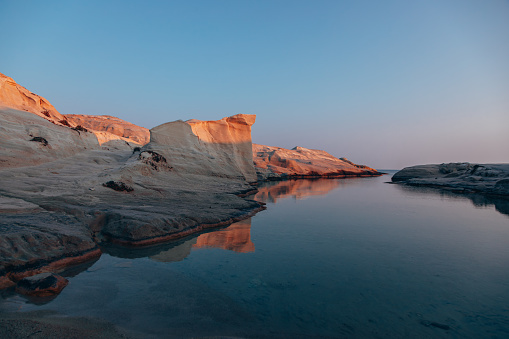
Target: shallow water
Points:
(353, 258)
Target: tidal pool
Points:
(338, 258)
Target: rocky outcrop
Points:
(273, 163)
(109, 126)
(13, 95)
(459, 177)
(62, 194)
(108, 131)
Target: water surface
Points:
(339, 258)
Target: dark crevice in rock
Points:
(43, 141)
(118, 186)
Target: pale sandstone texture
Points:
(459, 177)
(280, 163)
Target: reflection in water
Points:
(236, 237)
(479, 200)
(299, 189)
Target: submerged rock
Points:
(41, 285)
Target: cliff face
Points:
(278, 163)
(111, 125)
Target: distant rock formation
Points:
(458, 177)
(280, 163)
(111, 125)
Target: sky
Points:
(387, 84)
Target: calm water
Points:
(352, 258)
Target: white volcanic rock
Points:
(279, 163)
(459, 177)
(107, 127)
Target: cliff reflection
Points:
(236, 237)
(298, 189)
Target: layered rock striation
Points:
(458, 177)
(276, 163)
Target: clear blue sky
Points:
(385, 83)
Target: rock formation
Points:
(62, 192)
(459, 177)
(280, 163)
(109, 125)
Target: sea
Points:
(328, 258)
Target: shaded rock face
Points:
(280, 163)
(111, 126)
(461, 177)
(41, 285)
(18, 97)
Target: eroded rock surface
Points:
(460, 177)
(280, 163)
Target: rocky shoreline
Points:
(489, 179)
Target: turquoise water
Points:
(339, 258)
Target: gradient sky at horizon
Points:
(385, 83)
